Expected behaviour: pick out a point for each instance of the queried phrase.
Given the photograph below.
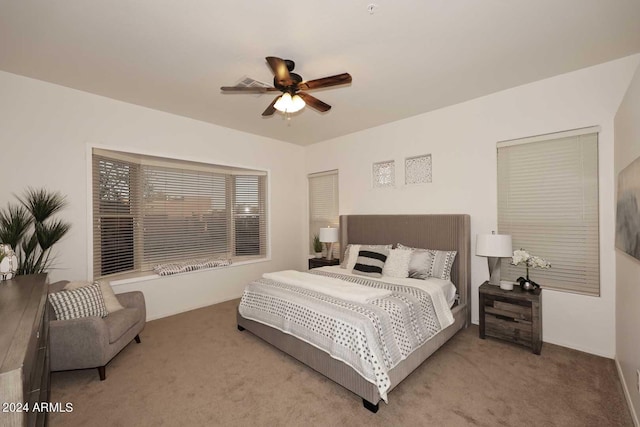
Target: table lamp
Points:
(495, 246)
(329, 236)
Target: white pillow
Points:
(110, 301)
(351, 256)
(397, 264)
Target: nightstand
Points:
(514, 316)
(322, 262)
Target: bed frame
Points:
(444, 232)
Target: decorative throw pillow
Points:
(442, 263)
(370, 261)
(169, 268)
(352, 252)
(82, 302)
(420, 263)
(350, 257)
(397, 264)
(110, 301)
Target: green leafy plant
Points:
(31, 230)
(317, 244)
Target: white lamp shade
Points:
(329, 235)
(494, 245)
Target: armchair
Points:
(91, 342)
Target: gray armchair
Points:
(91, 342)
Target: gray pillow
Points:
(371, 261)
(421, 262)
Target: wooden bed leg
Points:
(137, 338)
(102, 372)
(370, 406)
(240, 328)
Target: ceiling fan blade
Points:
(339, 79)
(314, 102)
(279, 68)
(270, 109)
(245, 89)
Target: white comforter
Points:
(329, 286)
(372, 337)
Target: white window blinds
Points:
(149, 210)
(323, 204)
(548, 203)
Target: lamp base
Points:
(494, 270)
(329, 251)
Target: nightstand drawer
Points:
(508, 308)
(508, 329)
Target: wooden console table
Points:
(24, 352)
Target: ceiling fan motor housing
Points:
(293, 87)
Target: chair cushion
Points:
(82, 302)
(119, 322)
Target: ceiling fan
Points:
(291, 85)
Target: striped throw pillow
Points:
(442, 263)
(370, 261)
(82, 302)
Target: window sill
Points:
(143, 276)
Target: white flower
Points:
(537, 262)
(520, 257)
(523, 257)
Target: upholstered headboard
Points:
(444, 232)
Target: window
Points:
(548, 203)
(323, 204)
(150, 210)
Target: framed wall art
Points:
(384, 174)
(417, 169)
(628, 210)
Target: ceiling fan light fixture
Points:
(289, 104)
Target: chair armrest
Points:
(78, 342)
(134, 299)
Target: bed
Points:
(442, 232)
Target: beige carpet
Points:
(197, 369)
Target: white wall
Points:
(462, 140)
(44, 133)
(627, 149)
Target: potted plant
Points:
(30, 229)
(317, 246)
(523, 257)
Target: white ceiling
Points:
(407, 58)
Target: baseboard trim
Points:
(627, 396)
